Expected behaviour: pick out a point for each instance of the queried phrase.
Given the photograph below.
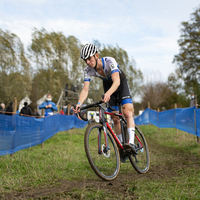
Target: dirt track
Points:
(171, 161)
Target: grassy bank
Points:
(175, 165)
(171, 137)
(62, 156)
(174, 172)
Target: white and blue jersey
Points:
(110, 66)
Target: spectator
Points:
(2, 108)
(9, 109)
(71, 111)
(49, 106)
(62, 111)
(26, 110)
(193, 100)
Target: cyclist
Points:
(114, 83)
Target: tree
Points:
(15, 69)
(53, 61)
(57, 62)
(75, 62)
(178, 95)
(155, 93)
(188, 59)
(174, 81)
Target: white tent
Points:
(21, 103)
(40, 101)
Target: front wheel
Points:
(106, 163)
(141, 161)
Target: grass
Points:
(171, 137)
(63, 158)
(182, 178)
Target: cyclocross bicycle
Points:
(104, 150)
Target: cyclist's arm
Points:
(84, 92)
(116, 82)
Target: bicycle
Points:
(105, 152)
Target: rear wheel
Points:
(106, 164)
(141, 161)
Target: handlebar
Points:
(91, 105)
(95, 104)
(82, 117)
(86, 107)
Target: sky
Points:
(147, 30)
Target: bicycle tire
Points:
(105, 165)
(141, 161)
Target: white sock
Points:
(131, 133)
(120, 137)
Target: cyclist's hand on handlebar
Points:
(106, 98)
(76, 108)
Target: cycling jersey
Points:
(110, 66)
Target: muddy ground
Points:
(170, 160)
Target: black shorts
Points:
(122, 93)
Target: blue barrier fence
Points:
(20, 132)
(185, 119)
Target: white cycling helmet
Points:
(88, 50)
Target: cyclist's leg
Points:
(116, 119)
(113, 104)
(128, 114)
(117, 127)
(127, 110)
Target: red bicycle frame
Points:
(106, 126)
